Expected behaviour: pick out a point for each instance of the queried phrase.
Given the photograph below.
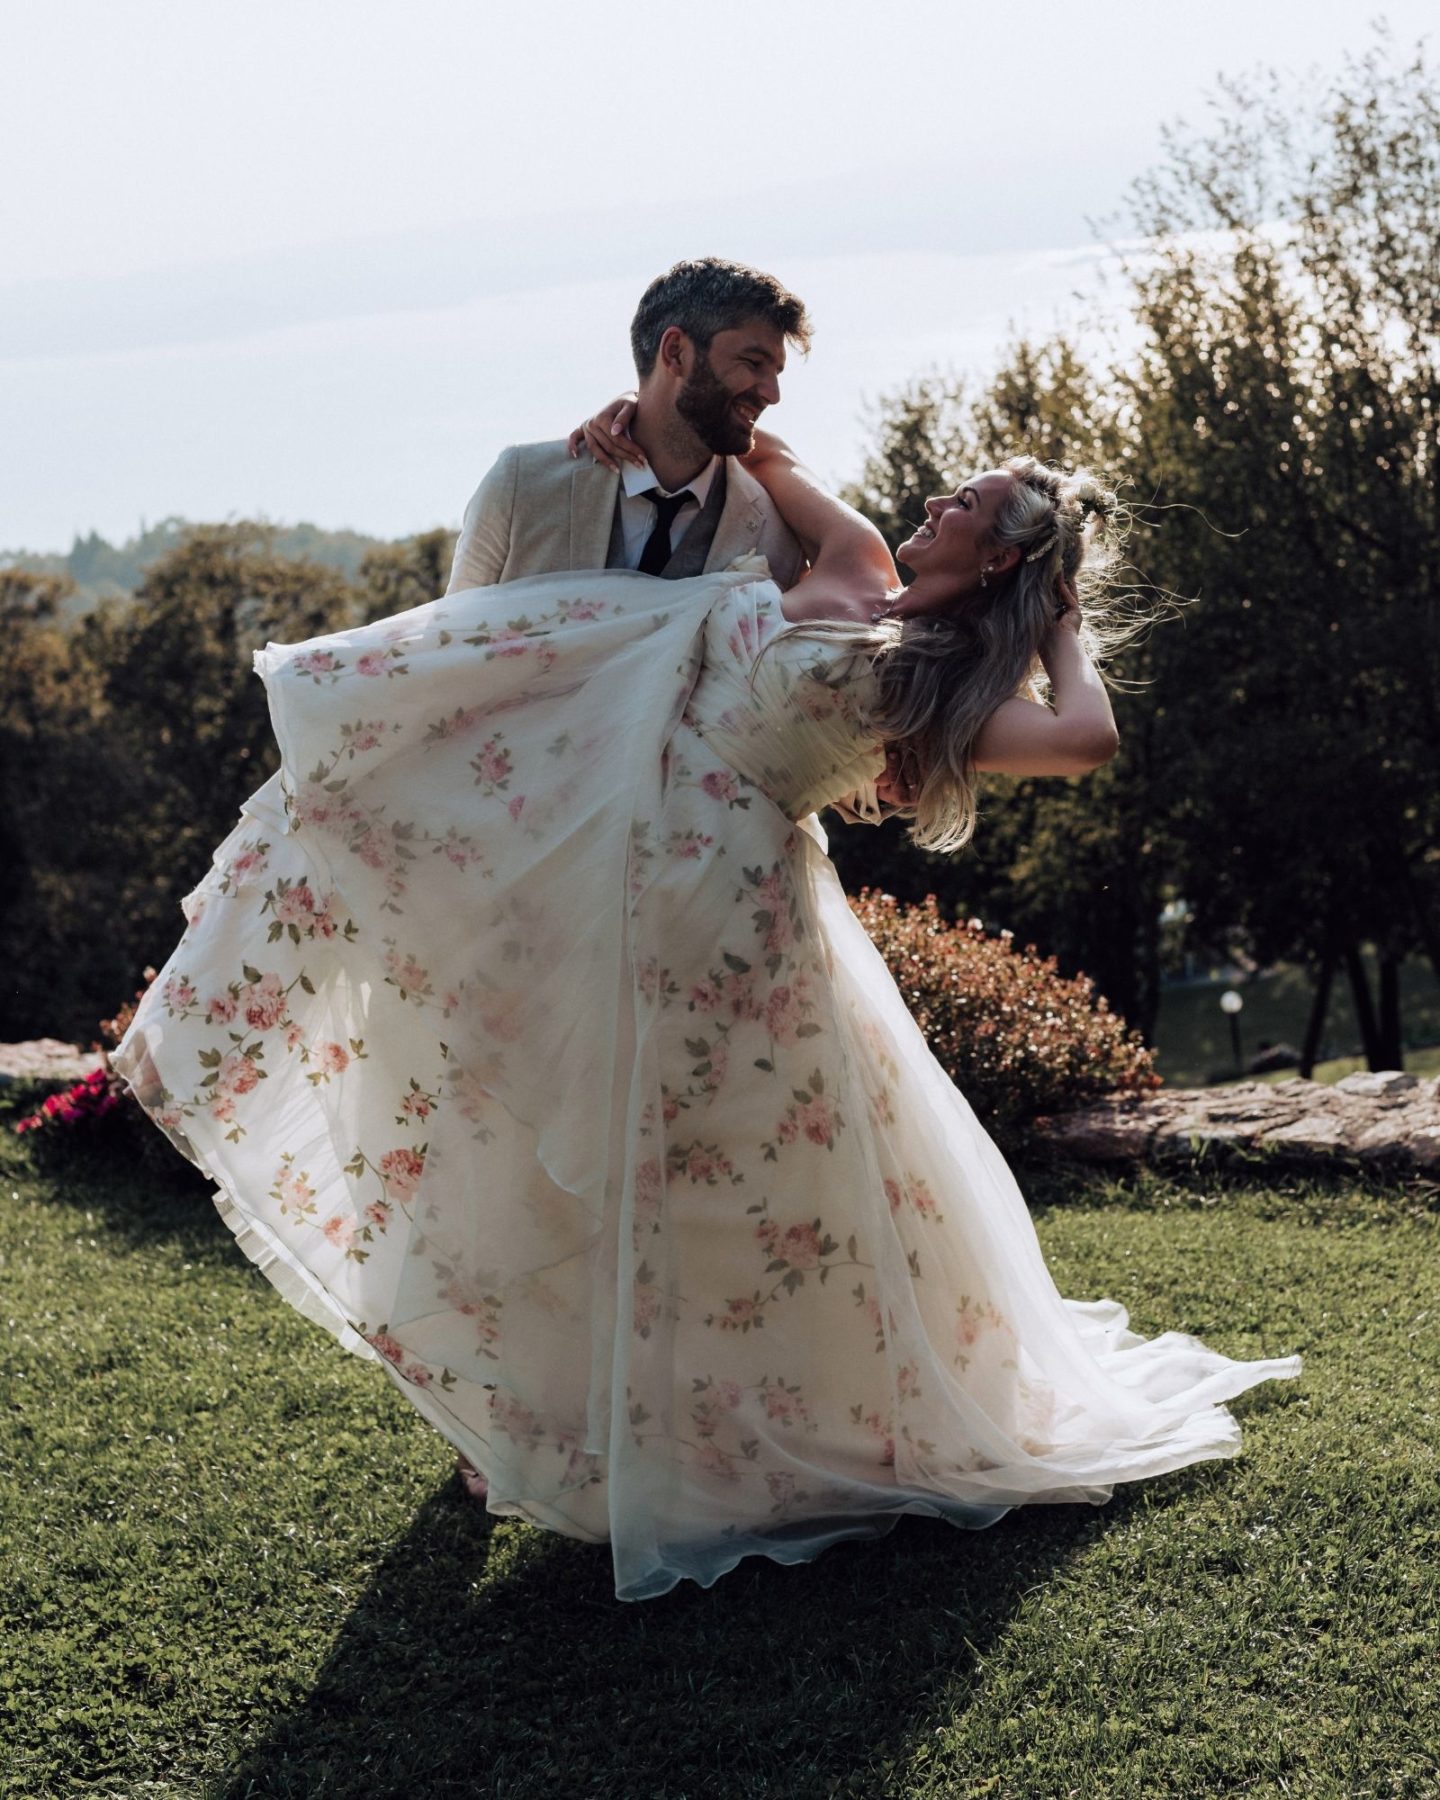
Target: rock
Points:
(1375, 1083)
(45, 1059)
(1386, 1118)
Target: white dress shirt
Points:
(638, 515)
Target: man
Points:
(709, 341)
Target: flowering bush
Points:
(100, 1105)
(1017, 1038)
(98, 1094)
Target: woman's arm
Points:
(1071, 736)
(844, 549)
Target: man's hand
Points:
(606, 436)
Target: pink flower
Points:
(296, 905)
(800, 1247)
(728, 1394)
(247, 862)
(893, 1194)
(222, 1108)
(781, 1404)
(178, 993)
(401, 1170)
(367, 738)
(781, 1015)
(737, 1313)
(316, 662)
(415, 1106)
(339, 1230)
(371, 663)
(237, 1074)
(334, 1059)
(263, 1003)
(781, 1484)
(378, 1213)
(372, 851)
(418, 1374)
(492, 764)
(705, 996)
(720, 784)
(819, 1122)
(516, 806)
(220, 1010)
(390, 1348)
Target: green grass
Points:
(234, 1563)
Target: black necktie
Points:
(656, 553)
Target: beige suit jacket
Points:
(540, 511)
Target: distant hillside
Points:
(102, 570)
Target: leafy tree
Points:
(1289, 384)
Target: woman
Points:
(535, 1050)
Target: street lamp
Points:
(1231, 1004)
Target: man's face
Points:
(731, 385)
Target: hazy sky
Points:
(322, 260)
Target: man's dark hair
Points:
(710, 295)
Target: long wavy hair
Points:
(940, 677)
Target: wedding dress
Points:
(535, 1052)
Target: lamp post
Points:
(1231, 1004)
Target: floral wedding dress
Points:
(526, 1031)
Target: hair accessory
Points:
(1045, 548)
(1090, 497)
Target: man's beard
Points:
(708, 407)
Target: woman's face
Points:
(955, 543)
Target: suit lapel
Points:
(593, 492)
(740, 524)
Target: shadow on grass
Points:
(490, 1659)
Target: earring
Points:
(985, 576)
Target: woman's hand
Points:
(1067, 616)
(606, 435)
(898, 783)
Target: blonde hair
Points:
(940, 677)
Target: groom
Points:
(709, 343)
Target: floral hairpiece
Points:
(1045, 548)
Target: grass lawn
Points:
(234, 1563)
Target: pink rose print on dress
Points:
(340, 1231)
(262, 1002)
(317, 664)
(293, 1190)
(178, 994)
(810, 1115)
(401, 1170)
(220, 1010)
(372, 663)
(334, 1059)
(237, 1074)
(492, 765)
(720, 784)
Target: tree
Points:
(1288, 385)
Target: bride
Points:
(535, 1052)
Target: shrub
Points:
(1017, 1038)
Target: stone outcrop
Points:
(45, 1059)
(1387, 1120)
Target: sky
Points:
(307, 260)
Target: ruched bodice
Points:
(801, 729)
